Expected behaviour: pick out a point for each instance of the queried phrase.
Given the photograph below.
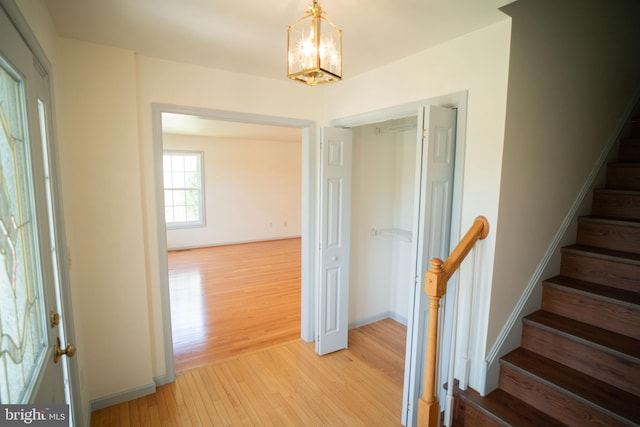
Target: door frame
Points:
(15, 15)
(458, 101)
(308, 220)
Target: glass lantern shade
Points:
(314, 49)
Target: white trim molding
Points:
(120, 397)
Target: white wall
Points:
(252, 190)
(476, 63)
(98, 128)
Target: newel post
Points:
(435, 288)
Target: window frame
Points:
(200, 176)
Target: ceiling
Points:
(250, 36)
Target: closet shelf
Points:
(406, 235)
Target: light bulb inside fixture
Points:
(314, 49)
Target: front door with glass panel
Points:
(30, 311)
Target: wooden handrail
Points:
(435, 287)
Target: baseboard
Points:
(400, 319)
(377, 318)
(120, 397)
(235, 242)
(163, 379)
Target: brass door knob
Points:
(70, 350)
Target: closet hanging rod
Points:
(395, 232)
(397, 128)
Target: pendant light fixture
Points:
(314, 49)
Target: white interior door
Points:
(29, 263)
(335, 214)
(435, 171)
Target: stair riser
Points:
(593, 311)
(629, 151)
(551, 401)
(605, 366)
(466, 414)
(616, 205)
(604, 272)
(623, 178)
(609, 236)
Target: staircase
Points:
(579, 360)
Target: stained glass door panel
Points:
(23, 335)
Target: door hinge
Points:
(424, 134)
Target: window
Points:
(183, 189)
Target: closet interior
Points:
(383, 182)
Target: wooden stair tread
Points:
(606, 254)
(618, 191)
(625, 347)
(507, 410)
(591, 391)
(594, 290)
(626, 222)
(624, 165)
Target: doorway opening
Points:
(238, 183)
(265, 141)
(438, 171)
(382, 223)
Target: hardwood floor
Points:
(240, 361)
(284, 385)
(226, 300)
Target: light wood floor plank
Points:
(125, 417)
(230, 299)
(287, 384)
(238, 366)
(154, 411)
